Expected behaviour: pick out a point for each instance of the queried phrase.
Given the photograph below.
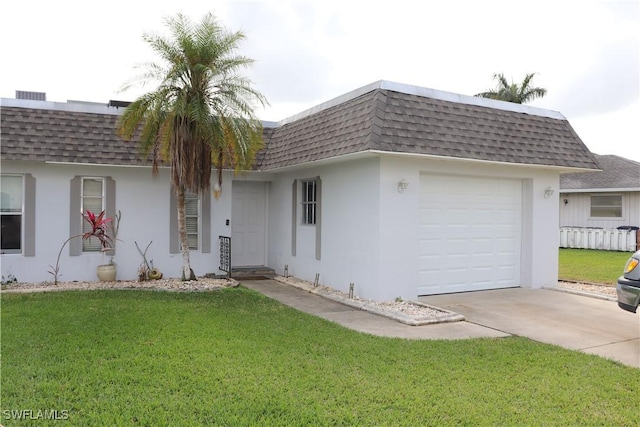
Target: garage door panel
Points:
(470, 233)
(430, 247)
(483, 275)
(457, 246)
(483, 246)
(505, 272)
(485, 217)
(507, 244)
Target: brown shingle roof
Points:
(397, 122)
(617, 172)
(379, 119)
(343, 129)
(64, 136)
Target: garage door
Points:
(470, 234)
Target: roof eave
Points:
(599, 190)
(562, 169)
(373, 152)
(108, 165)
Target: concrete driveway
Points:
(572, 321)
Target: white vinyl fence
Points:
(598, 238)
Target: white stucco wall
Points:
(369, 229)
(350, 232)
(144, 203)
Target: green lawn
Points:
(592, 266)
(235, 357)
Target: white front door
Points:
(470, 233)
(248, 212)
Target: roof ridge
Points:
(477, 101)
(377, 116)
(424, 92)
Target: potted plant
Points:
(107, 272)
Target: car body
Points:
(628, 288)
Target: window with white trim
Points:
(192, 218)
(606, 206)
(309, 202)
(92, 197)
(11, 213)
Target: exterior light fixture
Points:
(548, 192)
(217, 190)
(403, 185)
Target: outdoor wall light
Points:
(403, 185)
(548, 192)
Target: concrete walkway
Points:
(572, 321)
(363, 321)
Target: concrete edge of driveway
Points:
(434, 315)
(581, 293)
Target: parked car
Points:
(628, 288)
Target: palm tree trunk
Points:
(187, 272)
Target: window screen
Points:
(192, 218)
(606, 206)
(92, 200)
(11, 213)
(309, 202)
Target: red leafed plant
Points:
(100, 227)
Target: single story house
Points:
(401, 190)
(608, 198)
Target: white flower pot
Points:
(106, 273)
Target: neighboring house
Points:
(609, 198)
(402, 190)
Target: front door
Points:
(248, 213)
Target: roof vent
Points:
(34, 96)
(118, 104)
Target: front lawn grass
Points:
(235, 357)
(592, 266)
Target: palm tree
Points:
(201, 113)
(512, 92)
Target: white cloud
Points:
(611, 133)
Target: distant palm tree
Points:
(512, 92)
(201, 113)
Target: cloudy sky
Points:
(307, 52)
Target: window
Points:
(309, 202)
(606, 206)
(96, 194)
(92, 199)
(198, 221)
(311, 207)
(192, 218)
(11, 213)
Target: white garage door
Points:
(470, 233)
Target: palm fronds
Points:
(511, 92)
